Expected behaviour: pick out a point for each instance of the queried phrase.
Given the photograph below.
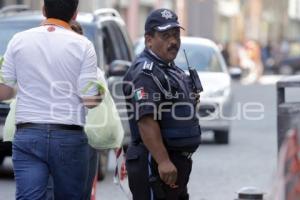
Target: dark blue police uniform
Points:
(164, 91)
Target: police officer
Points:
(161, 106)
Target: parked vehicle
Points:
(216, 100)
(289, 65)
(105, 28)
(287, 62)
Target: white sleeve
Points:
(88, 72)
(8, 69)
(101, 76)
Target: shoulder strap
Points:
(159, 77)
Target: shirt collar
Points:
(170, 64)
(56, 22)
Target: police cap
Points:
(161, 20)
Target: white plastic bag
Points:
(103, 125)
(9, 126)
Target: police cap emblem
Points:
(166, 14)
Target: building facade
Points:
(219, 20)
(134, 12)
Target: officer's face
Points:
(165, 44)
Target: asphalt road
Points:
(219, 170)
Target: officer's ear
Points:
(148, 39)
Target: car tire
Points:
(221, 137)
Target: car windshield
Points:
(9, 29)
(203, 58)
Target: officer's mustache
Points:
(173, 47)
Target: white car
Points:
(216, 99)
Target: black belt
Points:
(50, 126)
(185, 154)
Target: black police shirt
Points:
(143, 94)
(146, 88)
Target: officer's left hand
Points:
(167, 172)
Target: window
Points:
(203, 58)
(116, 46)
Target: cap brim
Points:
(168, 26)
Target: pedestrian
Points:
(161, 106)
(225, 51)
(52, 67)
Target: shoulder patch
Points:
(148, 66)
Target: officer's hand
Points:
(167, 172)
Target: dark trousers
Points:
(93, 168)
(140, 167)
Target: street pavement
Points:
(218, 170)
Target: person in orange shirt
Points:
(50, 111)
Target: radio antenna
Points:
(187, 61)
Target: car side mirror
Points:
(118, 68)
(235, 73)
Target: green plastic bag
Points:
(1, 63)
(9, 126)
(103, 124)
